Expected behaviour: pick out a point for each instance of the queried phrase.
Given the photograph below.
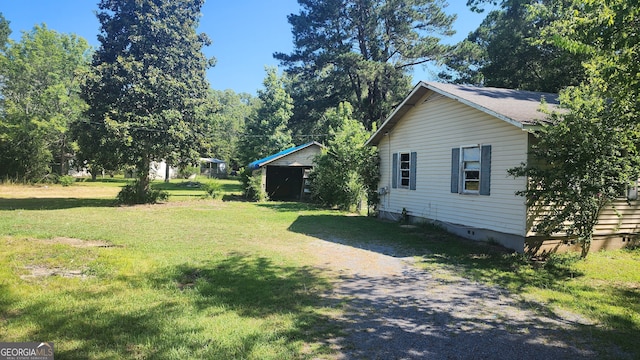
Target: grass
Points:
(202, 278)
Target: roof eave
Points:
(502, 117)
(409, 102)
(257, 166)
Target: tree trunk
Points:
(143, 179)
(585, 245)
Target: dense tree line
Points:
(506, 51)
(40, 97)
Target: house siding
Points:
(303, 157)
(432, 129)
(624, 219)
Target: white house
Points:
(444, 154)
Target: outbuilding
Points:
(213, 168)
(285, 175)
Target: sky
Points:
(245, 34)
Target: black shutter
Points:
(412, 171)
(455, 169)
(394, 172)
(485, 170)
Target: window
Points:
(404, 170)
(405, 167)
(471, 169)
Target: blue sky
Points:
(245, 34)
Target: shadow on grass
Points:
(478, 260)
(360, 232)
(121, 181)
(252, 286)
(174, 186)
(240, 307)
(98, 326)
(53, 203)
(257, 288)
(292, 206)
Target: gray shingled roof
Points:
(517, 107)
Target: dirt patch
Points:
(79, 243)
(43, 271)
(352, 261)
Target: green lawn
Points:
(202, 278)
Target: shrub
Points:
(132, 194)
(186, 171)
(252, 185)
(347, 172)
(66, 180)
(213, 189)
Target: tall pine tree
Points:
(360, 51)
(147, 91)
(506, 51)
(266, 130)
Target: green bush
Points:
(186, 171)
(347, 173)
(252, 185)
(213, 189)
(66, 180)
(132, 194)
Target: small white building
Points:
(213, 168)
(444, 155)
(158, 171)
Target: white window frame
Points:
(464, 169)
(402, 171)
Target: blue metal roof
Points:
(259, 163)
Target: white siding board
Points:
(432, 129)
(626, 220)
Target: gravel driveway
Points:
(397, 311)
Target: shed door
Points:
(284, 182)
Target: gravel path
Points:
(397, 311)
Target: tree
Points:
(228, 123)
(606, 33)
(147, 90)
(5, 31)
(41, 77)
(581, 163)
(347, 171)
(505, 51)
(589, 154)
(360, 51)
(266, 130)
